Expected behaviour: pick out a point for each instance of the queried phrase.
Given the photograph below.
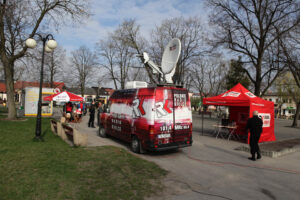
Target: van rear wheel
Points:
(135, 144)
(102, 132)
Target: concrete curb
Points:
(272, 154)
(59, 129)
(79, 139)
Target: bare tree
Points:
(128, 36)
(251, 28)
(291, 48)
(84, 63)
(138, 73)
(117, 55)
(131, 36)
(208, 75)
(20, 20)
(53, 67)
(54, 63)
(190, 32)
(288, 89)
(107, 59)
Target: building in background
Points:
(21, 85)
(3, 95)
(284, 105)
(93, 94)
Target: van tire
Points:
(102, 132)
(142, 150)
(135, 144)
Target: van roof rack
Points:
(166, 85)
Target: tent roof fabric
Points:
(64, 97)
(236, 96)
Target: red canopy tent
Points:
(63, 97)
(242, 103)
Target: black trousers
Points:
(91, 120)
(254, 148)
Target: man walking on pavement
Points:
(92, 115)
(254, 124)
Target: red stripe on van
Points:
(141, 107)
(166, 106)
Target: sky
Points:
(108, 14)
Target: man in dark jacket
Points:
(254, 124)
(92, 115)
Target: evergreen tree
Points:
(236, 74)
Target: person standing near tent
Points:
(92, 115)
(81, 107)
(254, 124)
(69, 108)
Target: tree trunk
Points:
(114, 79)
(258, 65)
(82, 88)
(9, 81)
(296, 117)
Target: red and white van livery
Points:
(154, 118)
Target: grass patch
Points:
(54, 170)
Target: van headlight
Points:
(161, 136)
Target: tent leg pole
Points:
(202, 122)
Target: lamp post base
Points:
(38, 139)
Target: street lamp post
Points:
(49, 44)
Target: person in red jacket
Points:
(69, 108)
(80, 108)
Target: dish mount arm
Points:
(168, 62)
(155, 69)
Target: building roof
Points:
(92, 91)
(2, 86)
(18, 85)
(109, 90)
(23, 84)
(87, 91)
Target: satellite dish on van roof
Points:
(169, 60)
(170, 56)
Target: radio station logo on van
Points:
(179, 99)
(161, 108)
(138, 109)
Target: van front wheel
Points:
(102, 132)
(135, 144)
